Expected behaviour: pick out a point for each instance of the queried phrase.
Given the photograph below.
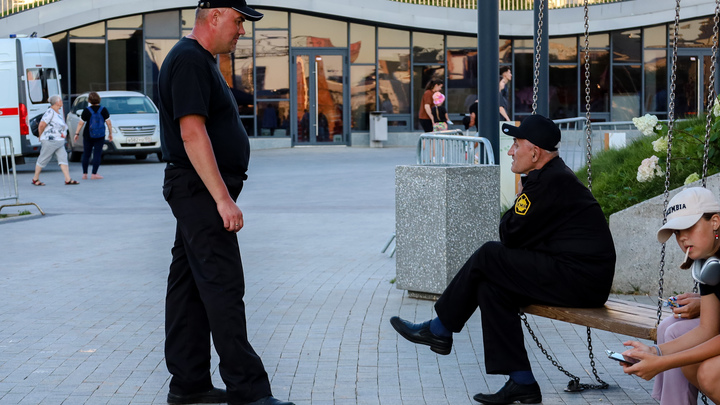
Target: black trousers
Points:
(501, 280)
(205, 296)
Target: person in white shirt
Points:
(52, 130)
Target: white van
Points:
(28, 77)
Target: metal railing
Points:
(453, 148)
(8, 175)
(505, 5)
(8, 7)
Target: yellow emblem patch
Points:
(522, 204)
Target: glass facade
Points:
(354, 68)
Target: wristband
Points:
(657, 348)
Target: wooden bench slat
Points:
(624, 317)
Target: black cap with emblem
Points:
(238, 5)
(539, 130)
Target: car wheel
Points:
(75, 156)
(141, 156)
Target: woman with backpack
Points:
(94, 134)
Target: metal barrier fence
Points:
(453, 148)
(8, 7)
(8, 175)
(505, 5)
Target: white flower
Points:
(716, 107)
(646, 124)
(660, 144)
(648, 169)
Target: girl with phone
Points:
(694, 219)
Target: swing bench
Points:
(617, 316)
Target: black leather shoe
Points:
(420, 333)
(511, 392)
(266, 401)
(214, 396)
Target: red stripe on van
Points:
(9, 111)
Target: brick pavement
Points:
(82, 292)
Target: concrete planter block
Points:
(634, 231)
(443, 214)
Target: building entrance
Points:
(319, 84)
(691, 85)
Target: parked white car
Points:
(135, 124)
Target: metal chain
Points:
(671, 124)
(536, 71)
(574, 384)
(711, 94)
(588, 125)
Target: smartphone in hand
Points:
(619, 357)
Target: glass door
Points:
(691, 83)
(320, 93)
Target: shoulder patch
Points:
(522, 204)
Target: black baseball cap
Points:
(539, 130)
(238, 5)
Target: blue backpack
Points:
(97, 123)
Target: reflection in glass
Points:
(134, 21)
(563, 91)
(165, 24)
(362, 97)
(599, 82)
(505, 50)
(596, 41)
(461, 80)
(242, 80)
(655, 37)
(696, 33)
(272, 19)
(89, 31)
(427, 48)
(655, 80)
(362, 43)
(273, 74)
(125, 59)
(563, 49)
(454, 41)
(320, 91)
(87, 61)
(155, 52)
(316, 32)
(626, 93)
(187, 18)
(627, 46)
(523, 80)
(394, 76)
(686, 86)
(388, 37)
(273, 118)
(421, 77)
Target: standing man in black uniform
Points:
(207, 151)
(555, 248)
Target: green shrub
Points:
(614, 172)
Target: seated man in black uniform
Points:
(555, 248)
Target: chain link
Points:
(671, 124)
(711, 94)
(574, 384)
(588, 126)
(538, 48)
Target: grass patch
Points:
(614, 172)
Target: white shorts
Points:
(49, 148)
